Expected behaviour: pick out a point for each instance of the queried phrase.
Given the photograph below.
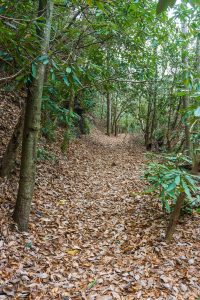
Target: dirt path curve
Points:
(94, 236)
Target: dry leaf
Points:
(72, 252)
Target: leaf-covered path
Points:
(93, 234)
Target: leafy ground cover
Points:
(93, 233)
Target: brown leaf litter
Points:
(93, 234)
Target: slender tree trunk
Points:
(186, 127)
(174, 217)
(168, 134)
(154, 113)
(151, 116)
(116, 129)
(112, 121)
(10, 155)
(140, 118)
(115, 117)
(66, 138)
(153, 121)
(108, 99)
(71, 101)
(147, 127)
(185, 98)
(196, 151)
(108, 114)
(102, 108)
(170, 115)
(32, 128)
(172, 127)
(176, 117)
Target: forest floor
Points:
(93, 234)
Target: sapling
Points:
(175, 187)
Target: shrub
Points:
(168, 179)
(42, 154)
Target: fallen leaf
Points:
(72, 252)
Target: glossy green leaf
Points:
(33, 70)
(171, 186)
(178, 180)
(68, 70)
(76, 78)
(66, 81)
(44, 59)
(186, 188)
(197, 112)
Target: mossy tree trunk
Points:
(8, 160)
(32, 126)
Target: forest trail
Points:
(93, 234)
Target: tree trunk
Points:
(102, 108)
(9, 157)
(116, 130)
(66, 141)
(186, 127)
(32, 128)
(147, 127)
(154, 112)
(168, 134)
(185, 98)
(71, 101)
(108, 114)
(174, 217)
(196, 151)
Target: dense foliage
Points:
(169, 179)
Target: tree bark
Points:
(108, 114)
(148, 118)
(147, 127)
(196, 151)
(185, 98)
(9, 157)
(71, 101)
(151, 115)
(116, 128)
(174, 217)
(32, 128)
(102, 108)
(154, 112)
(170, 116)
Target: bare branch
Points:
(11, 76)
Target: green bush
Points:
(42, 154)
(168, 179)
(86, 125)
(49, 129)
(68, 136)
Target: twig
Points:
(119, 80)
(18, 20)
(11, 77)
